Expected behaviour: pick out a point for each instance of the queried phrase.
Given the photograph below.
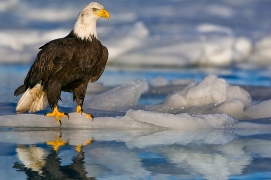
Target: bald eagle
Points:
(66, 64)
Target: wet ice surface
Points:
(203, 112)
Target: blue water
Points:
(127, 156)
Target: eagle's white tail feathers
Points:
(33, 100)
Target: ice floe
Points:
(209, 104)
(211, 95)
(120, 97)
(134, 119)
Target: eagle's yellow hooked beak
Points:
(103, 13)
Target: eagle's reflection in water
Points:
(38, 163)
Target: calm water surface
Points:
(134, 154)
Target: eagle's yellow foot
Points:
(80, 111)
(55, 113)
(79, 147)
(56, 144)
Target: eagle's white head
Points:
(85, 26)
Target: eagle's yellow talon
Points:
(89, 116)
(55, 113)
(80, 111)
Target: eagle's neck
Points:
(85, 28)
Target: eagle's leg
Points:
(53, 93)
(79, 96)
(55, 113)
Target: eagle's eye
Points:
(94, 9)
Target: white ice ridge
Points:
(212, 95)
(120, 97)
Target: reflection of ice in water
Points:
(116, 154)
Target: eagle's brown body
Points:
(66, 64)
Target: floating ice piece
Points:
(233, 108)
(121, 97)
(128, 40)
(76, 121)
(262, 53)
(138, 119)
(217, 52)
(134, 119)
(242, 49)
(159, 81)
(212, 91)
(182, 121)
(21, 46)
(261, 110)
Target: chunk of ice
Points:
(159, 81)
(261, 110)
(212, 91)
(121, 97)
